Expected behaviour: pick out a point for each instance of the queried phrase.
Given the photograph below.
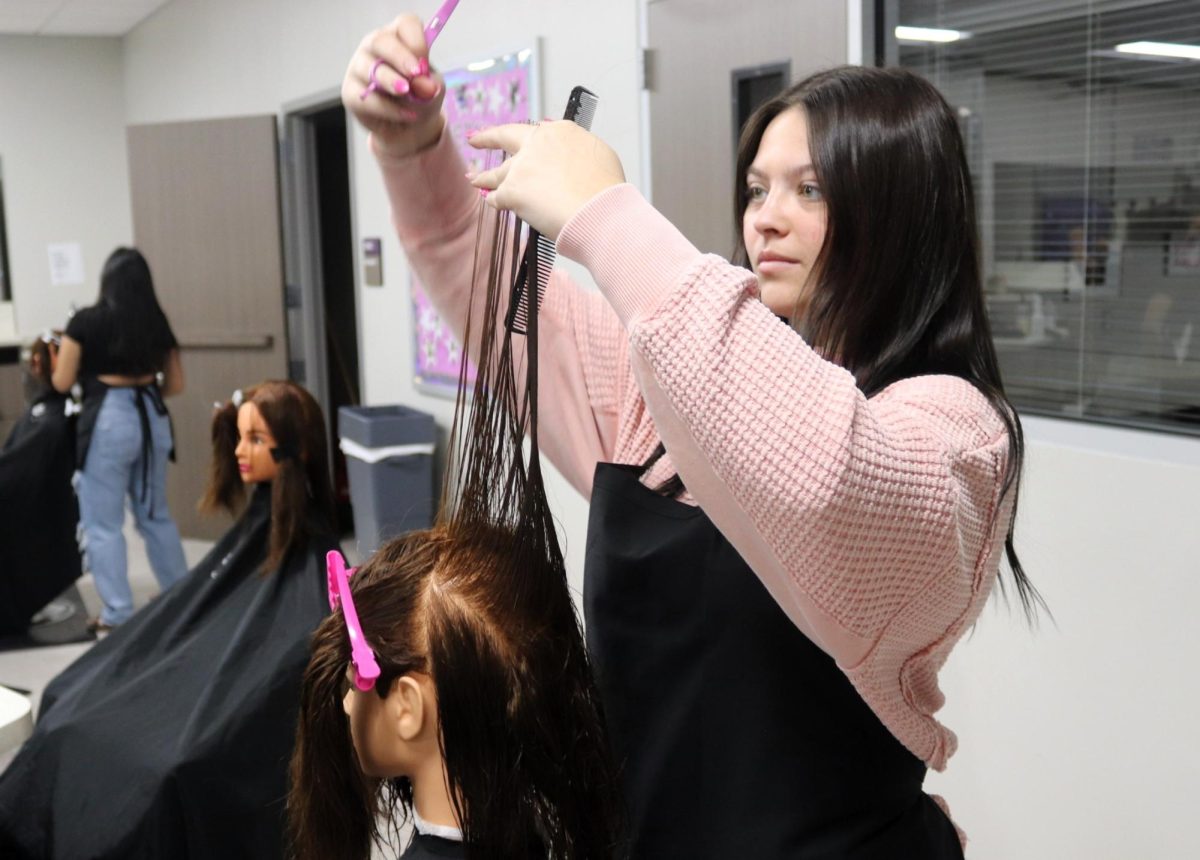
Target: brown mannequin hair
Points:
(480, 603)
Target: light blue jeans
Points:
(112, 472)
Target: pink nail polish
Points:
(402, 87)
(423, 66)
(483, 192)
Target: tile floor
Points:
(33, 668)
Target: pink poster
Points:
(483, 94)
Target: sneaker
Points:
(54, 612)
(98, 627)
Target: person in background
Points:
(117, 350)
(38, 528)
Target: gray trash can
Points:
(389, 460)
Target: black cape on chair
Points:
(171, 737)
(40, 515)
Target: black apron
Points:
(737, 736)
(427, 847)
(146, 397)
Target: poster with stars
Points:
(491, 92)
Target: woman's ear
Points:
(406, 705)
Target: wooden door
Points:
(696, 46)
(206, 216)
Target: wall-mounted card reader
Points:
(372, 262)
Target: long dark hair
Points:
(898, 290)
(301, 494)
(142, 337)
(480, 603)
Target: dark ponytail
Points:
(141, 334)
(337, 818)
(225, 490)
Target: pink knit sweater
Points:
(877, 525)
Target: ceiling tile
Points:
(75, 17)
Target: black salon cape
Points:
(427, 847)
(38, 547)
(171, 737)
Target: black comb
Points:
(540, 253)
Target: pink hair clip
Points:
(366, 669)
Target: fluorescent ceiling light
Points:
(1161, 49)
(929, 34)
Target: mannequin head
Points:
(484, 707)
(256, 448)
(40, 357)
(484, 715)
(276, 430)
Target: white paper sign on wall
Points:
(66, 263)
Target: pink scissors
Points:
(433, 27)
(435, 24)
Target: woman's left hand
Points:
(553, 169)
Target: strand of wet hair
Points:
(488, 477)
(491, 481)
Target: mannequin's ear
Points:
(406, 707)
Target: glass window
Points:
(1082, 124)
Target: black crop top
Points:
(95, 330)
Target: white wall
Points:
(62, 150)
(1078, 740)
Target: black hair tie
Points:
(284, 452)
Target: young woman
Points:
(37, 530)
(456, 657)
(792, 521)
(116, 348)
(171, 737)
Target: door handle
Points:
(226, 340)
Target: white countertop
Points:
(8, 326)
(16, 719)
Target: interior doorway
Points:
(701, 53)
(218, 272)
(322, 313)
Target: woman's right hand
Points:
(404, 111)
